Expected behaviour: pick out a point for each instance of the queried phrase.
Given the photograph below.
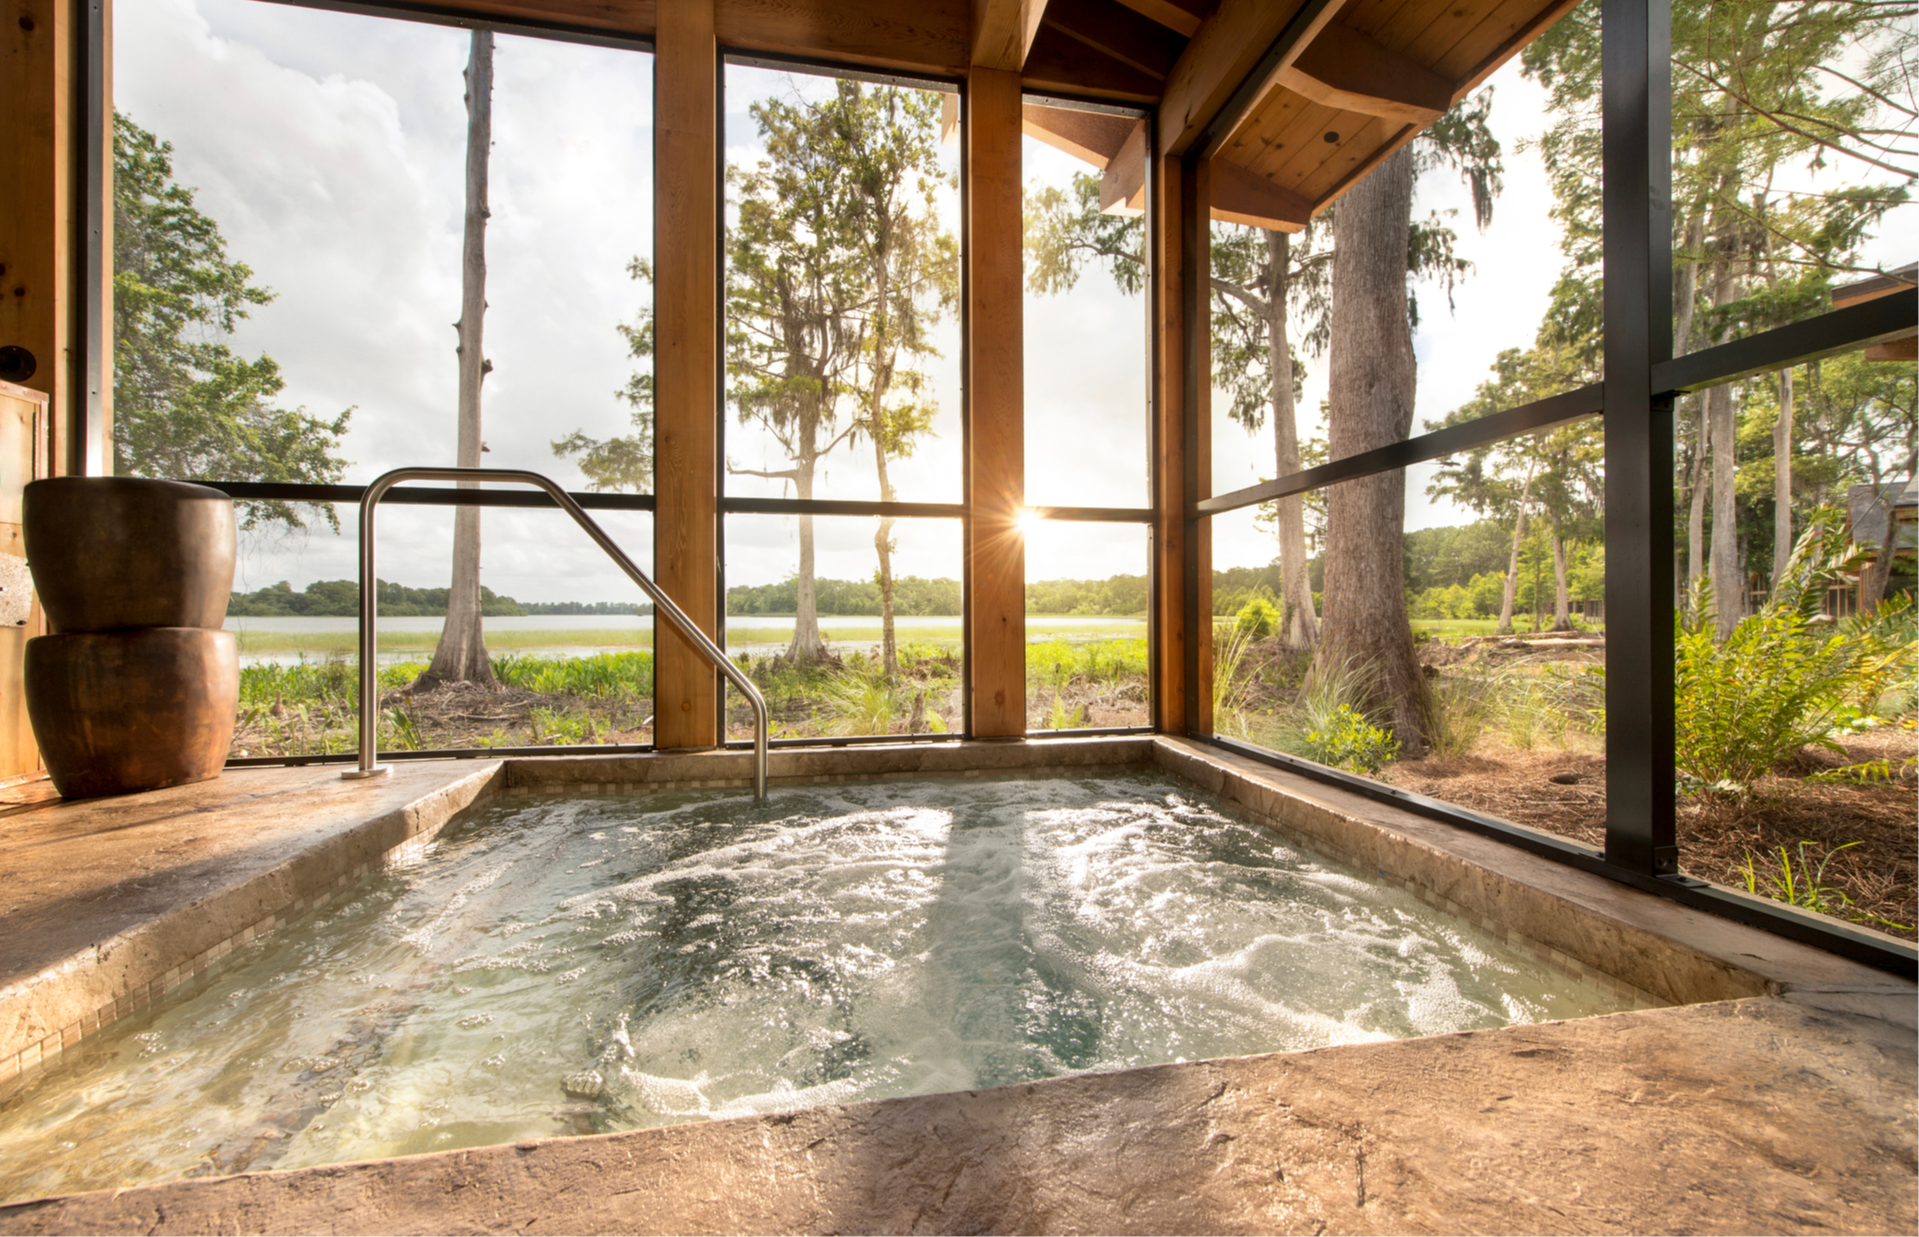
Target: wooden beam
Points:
(1905, 348)
(1003, 32)
(1092, 137)
(1232, 45)
(1117, 32)
(995, 409)
(1240, 196)
(1344, 69)
(1063, 64)
(924, 36)
(1122, 187)
(686, 366)
(1166, 13)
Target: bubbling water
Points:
(611, 962)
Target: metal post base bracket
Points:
(354, 775)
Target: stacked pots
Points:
(137, 687)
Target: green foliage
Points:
(557, 727)
(857, 701)
(1346, 740)
(184, 405)
(1804, 884)
(1258, 619)
(1782, 679)
(1865, 773)
(341, 598)
(624, 462)
(1087, 661)
(613, 676)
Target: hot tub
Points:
(556, 964)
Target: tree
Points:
(830, 265)
(624, 462)
(185, 406)
(1367, 636)
(1756, 85)
(460, 656)
(891, 160)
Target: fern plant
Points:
(1783, 679)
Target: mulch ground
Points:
(1564, 792)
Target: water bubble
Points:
(586, 1085)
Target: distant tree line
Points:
(341, 599)
(912, 596)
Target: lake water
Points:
(847, 632)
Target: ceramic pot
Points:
(114, 552)
(121, 711)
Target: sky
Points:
(329, 148)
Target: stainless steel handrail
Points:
(662, 605)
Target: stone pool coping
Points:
(104, 907)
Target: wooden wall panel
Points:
(995, 394)
(686, 367)
(22, 458)
(39, 84)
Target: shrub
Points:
(1257, 619)
(1348, 741)
(1778, 683)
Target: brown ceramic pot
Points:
(120, 711)
(113, 552)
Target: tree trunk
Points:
(1562, 599)
(807, 645)
(1728, 589)
(1701, 484)
(1367, 634)
(460, 656)
(1511, 593)
(1782, 480)
(883, 542)
(1301, 624)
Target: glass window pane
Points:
(843, 346)
(569, 636)
(829, 668)
(1796, 564)
(1086, 341)
(1087, 600)
(1497, 654)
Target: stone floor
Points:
(1792, 1111)
(1768, 1115)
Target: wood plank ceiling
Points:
(1360, 81)
(1355, 80)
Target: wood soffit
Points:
(1352, 81)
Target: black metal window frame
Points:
(1635, 403)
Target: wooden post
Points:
(42, 219)
(686, 366)
(1186, 183)
(1170, 544)
(995, 381)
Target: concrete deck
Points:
(1786, 1104)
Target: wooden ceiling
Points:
(1341, 83)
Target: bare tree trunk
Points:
(1367, 632)
(1727, 592)
(1511, 593)
(460, 656)
(807, 645)
(1301, 629)
(1782, 480)
(1685, 301)
(1562, 600)
(883, 542)
(1701, 484)
(1728, 589)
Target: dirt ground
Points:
(1564, 792)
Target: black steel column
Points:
(1637, 200)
